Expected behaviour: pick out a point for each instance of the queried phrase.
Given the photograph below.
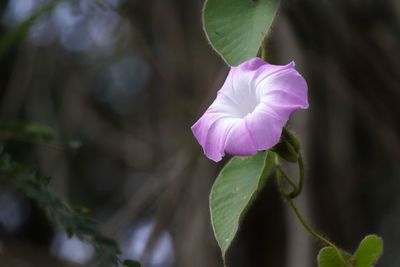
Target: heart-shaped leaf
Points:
(369, 251)
(329, 257)
(237, 28)
(232, 192)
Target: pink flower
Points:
(251, 109)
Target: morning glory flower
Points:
(251, 109)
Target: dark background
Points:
(121, 82)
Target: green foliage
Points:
(237, 28)
(288, 147)
(369, 251)
(75, 221)
(329, 257)
(367, 254)
(130, 263)
(16, 33)
(233, 190)
(30, 132)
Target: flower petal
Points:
(265, 127)
(251, 109)
(211, 131)
(239, 140)
(284, 91)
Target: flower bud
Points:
(288, 147)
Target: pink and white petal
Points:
(239, 141)
(265, 127)
(286, 92)
(251, 109)
(211, 131)
(251, 64)
(241, 76)
(242, 80)
(267, 71)
(238, 87)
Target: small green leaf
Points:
(233, 190)
(26, 131)
(286, 151)
(369, 251)
(237, 28)
(328, 257)
(74, 222)
(131, 263)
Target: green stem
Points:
(300, 217)
(289, 180)
(264, 51)
(299, 187)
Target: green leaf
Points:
(131, 263)
(328, 257)
(26, 131)
(75, 222)
(233, 190)
(369, 251)
(237, 28)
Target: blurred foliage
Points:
(75, 221)
(130, 263)
(19, 31)
(30, 132)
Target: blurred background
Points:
(121, 82)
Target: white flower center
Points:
(246, 105)
(240, 101)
